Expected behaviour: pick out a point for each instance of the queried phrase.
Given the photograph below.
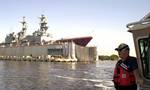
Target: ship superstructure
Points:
(40, 36)
(40, 46)
(17, 39)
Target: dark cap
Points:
(122, 46)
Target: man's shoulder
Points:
(119, 61)
(130, 61)
(132, 58)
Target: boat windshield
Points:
(144, 45)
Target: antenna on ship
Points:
(21, 34)
(43, 27)
(43, 24)
(24, 25)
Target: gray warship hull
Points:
(51, 52)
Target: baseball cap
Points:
(122, 46)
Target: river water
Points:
(25, 75)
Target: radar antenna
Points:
(21, 34)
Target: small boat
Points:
(141, 36)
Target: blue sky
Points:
(105, 20)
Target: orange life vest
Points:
(123, 76)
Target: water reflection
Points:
(22, 75)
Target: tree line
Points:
(106, 57)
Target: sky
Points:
(104, 20)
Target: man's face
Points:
(123, 53)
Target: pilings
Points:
(39, 58)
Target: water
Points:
(25, 75)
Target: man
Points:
(126, 74)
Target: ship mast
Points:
(21, 34)
(24, 25)
(43, 24)
(43, 27)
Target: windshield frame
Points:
(144, 49)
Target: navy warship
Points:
(40, 47)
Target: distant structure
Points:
(39, 45)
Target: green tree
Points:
(114, 57)
(106, 57)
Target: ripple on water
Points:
(20, 75)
